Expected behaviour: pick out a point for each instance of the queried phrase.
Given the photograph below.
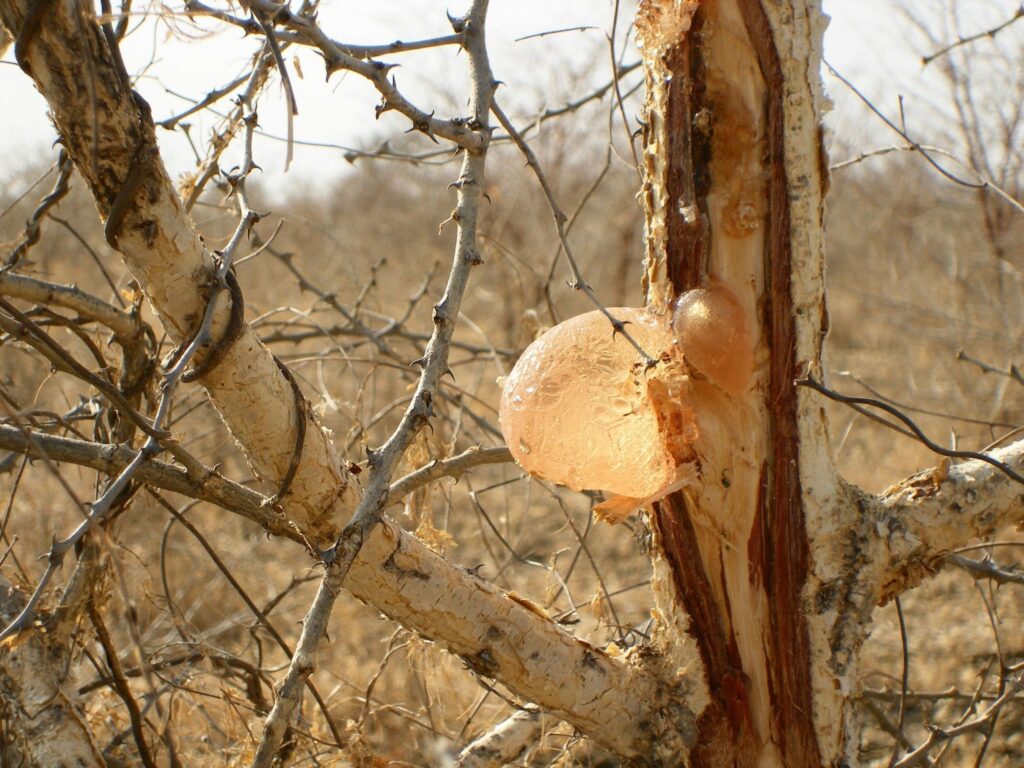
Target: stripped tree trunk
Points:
(768, 570)
(735, 182)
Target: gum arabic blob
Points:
(579, 410)
(711, 328)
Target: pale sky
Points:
(867, 40)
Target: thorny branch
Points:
(339, 558)
(153, 446)
(460, 131)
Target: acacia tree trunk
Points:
(766, 572)
(735, 182)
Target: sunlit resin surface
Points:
(578, 409)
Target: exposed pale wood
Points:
(723, 128)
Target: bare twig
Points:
(339, 557)
(578, 283)
(1012, 372)
(904, 682)
(982, 182)
(453, 466)
(916, 430)
(960, 41)
(32, 226)
(120, 684)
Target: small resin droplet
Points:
(688, 212)
(591, 416)
(714, 334)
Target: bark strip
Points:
(784, 538)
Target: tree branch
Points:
(926, 516)
(453, 466)
(505, 742)
(615, 700)
(991, 32)
(126, 326)
(164, 252)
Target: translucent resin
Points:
(579, 410)
(712, 330)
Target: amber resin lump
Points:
(580, 410)
(712, 330)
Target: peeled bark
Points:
(768, 570)
(733, 192)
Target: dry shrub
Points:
(912, 282)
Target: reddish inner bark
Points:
(778, 546)
(688, 162)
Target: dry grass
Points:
(911, 283)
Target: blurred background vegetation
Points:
(925, 296)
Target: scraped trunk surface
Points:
(733, 194)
